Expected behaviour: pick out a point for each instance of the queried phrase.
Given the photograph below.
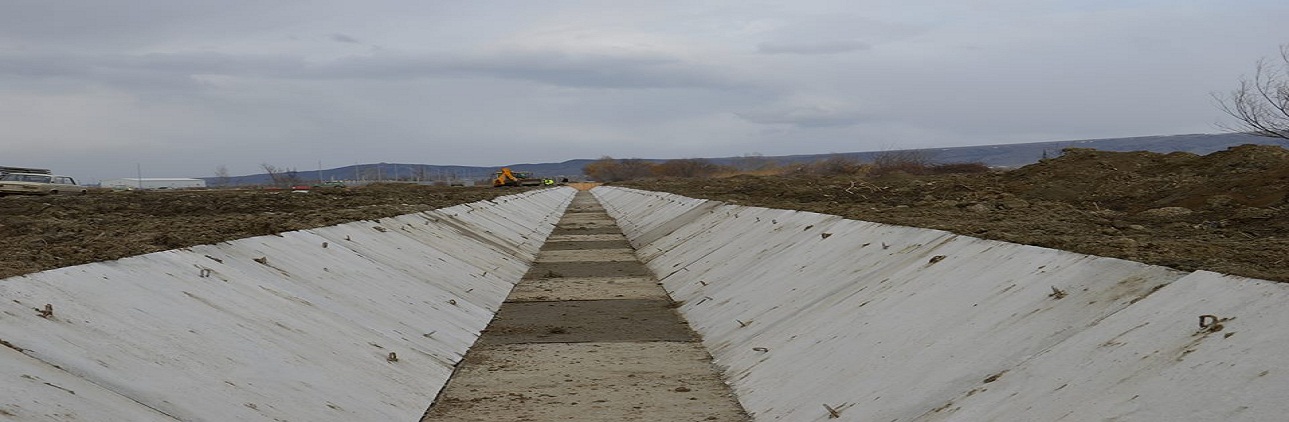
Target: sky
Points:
(178, 88)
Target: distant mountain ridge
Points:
(1005, 155)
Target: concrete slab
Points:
(587, 382)
(594, 244)
(585, 321)
(587, 288)
(586, 237)
(588, 269)
(600, 218)
(587, 255)
(586, 229)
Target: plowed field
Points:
(43, 232)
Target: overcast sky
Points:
(97, 89)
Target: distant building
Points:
(153, 183)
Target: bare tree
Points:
(1261, 104)
(292, 177)
(281, 177)
(221, 176)
(272, 171)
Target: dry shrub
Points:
(959, 168)
(836, 165)
(607, 169)
(731, 172)
(686, 168)
(902, 161)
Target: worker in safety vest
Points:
(548, 182)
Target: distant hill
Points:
(1016, 155)
(1005, 155)
(1024, 154)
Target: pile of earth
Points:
(43, 232)
(1226, 212)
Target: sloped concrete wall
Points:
(813, 317)
(361, 321)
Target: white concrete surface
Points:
(1152, 362)
(812, 316)
(34, 391)
(298, 326)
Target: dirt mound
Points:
(1243, 176)
(39, 233)
(1226, 212)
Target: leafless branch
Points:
(1261, 105)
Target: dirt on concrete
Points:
(1226, 212)
(43, 232)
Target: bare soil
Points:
(1226, 212)
(43, 232)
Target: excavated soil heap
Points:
(1226, 212)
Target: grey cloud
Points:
(598, 71)
(147, 72)
(554, 68)
(59, 65)
(342, 38)
(177, 69)
(820, 47)
(805, 117)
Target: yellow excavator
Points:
(506, 177)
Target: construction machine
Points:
(506, 177)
